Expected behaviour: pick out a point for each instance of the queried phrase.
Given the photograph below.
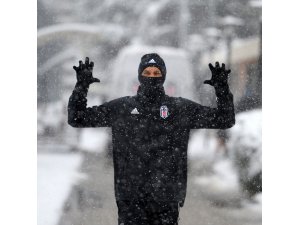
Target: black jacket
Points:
(149, 151)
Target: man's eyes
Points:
(155, 73)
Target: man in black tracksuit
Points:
(150, 133)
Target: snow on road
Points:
(56, 174)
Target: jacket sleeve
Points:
(79, 115)
(222, 117)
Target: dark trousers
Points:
(148, 213)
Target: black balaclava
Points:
(151, 88)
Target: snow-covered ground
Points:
(56, 174)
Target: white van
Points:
(179, 78)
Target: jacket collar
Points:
(146, 97)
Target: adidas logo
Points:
(135, 111)
(152, 61)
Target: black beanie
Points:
(152, 59)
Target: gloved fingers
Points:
(87, 62)
(75, 68)
(207, 82)
(217, 65)
(223, 66)
(211, 67)
(91, 65)
(96, 80)
(228, 71)
(80, 65)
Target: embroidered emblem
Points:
(152, 61)
(164, 112)
(135, 111)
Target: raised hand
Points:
(219, 75)
(84, 73)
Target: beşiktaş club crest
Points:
(164, 112)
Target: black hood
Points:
(152, 59)
(151, 89)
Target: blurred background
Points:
(75, 173)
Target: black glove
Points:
(219, 75)
(84, 73)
